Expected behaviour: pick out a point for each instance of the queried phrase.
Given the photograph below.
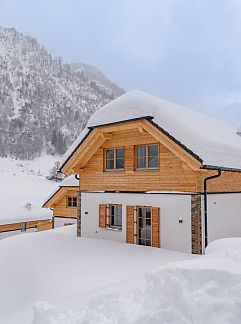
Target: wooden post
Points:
(79, 215)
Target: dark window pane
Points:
(148, 234)
(148, 212)
(119, 221)
(141, 156)
(110, 164)
(120, 153)
(141, 151)
(141, 223)
(119, 163)
(153, 156)
(110, 154)
(141, 242)
(153, 161)
(74, 202)
(141, 162)
(148, 242)
(148, 222)
(153, 150)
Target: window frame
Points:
(71, 205)
(147, 157)
(109, 217)
(115, 159)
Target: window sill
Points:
(115, 229)
(114, 170)
(148, 169)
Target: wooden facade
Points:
(178, 170)
(59, 202)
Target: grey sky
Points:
(188, 51)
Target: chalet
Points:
(157, 174)
(63, 202)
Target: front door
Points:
(144, 225)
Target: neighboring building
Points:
(28, 218)
(157, 174)
(63, 202)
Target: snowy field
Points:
(62, 279)
(24, 183)
(65, 271)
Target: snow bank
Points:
(206, 289)
(175, 296)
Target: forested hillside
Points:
(43, 104)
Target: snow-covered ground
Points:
(62, 279)
(65, 271)
(24, 183)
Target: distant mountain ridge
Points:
(43, 104)
(93, 74)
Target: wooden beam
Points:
(172, 146)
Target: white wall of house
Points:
(174, 235)
(224, 216)
(61, 221)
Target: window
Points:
(144, 226)
(114, 159)
(147, 156)
(115, 218)
(72, 202)
(110, 216)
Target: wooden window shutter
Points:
(130, 224)
(102, 215)
(155, 227)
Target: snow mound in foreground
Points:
(175, 296)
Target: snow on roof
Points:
(69, 181)
(214, 141)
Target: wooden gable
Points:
(177, 168)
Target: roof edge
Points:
(83, 139)
(48, 199)
(215, 167)
(122, 121)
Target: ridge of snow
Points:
(214, 141)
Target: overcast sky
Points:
(188, 51)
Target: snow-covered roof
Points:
(69, 181)
(215, 142)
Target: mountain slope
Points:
(43, 104)
(91, 73)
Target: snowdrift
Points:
(206, 290)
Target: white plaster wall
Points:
(174, 235)
(224, 216)
(60, 221)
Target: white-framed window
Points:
(115, 216)
(147, 156)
